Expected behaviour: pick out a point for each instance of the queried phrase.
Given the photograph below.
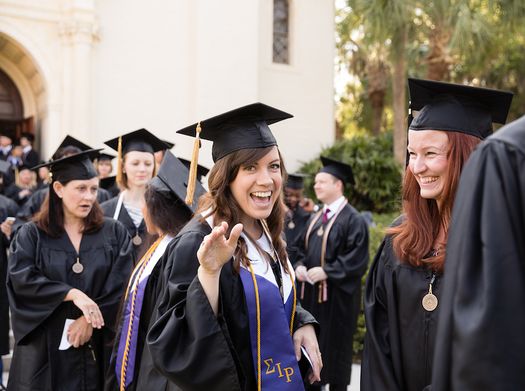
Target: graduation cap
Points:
(70, 141)
(140, 140)
(296, 181)
(457, 108)
(105, 156)
(201, 170)
(242, 128)
(169, 144)
(338, 169)
(171, 180)
(74, 167)
(9, 132)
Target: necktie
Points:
(325, 215)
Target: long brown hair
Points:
(413, 239)
(54, 225)
(225, 208)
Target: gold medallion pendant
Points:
(137, 240)
(77, 267)
(320, 231)
(429, 302)
(291, 225)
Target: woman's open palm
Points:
(216, 250)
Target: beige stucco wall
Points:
(99, 68)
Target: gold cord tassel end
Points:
(192, 178)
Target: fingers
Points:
(317, 363)
(297, 348)
(234, 235)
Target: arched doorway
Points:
(12, 119)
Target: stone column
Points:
(79, 33)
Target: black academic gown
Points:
(480, 340)
(146, 377)
(39, 277)
(189, 344)
(401, 334)
(295, 224)
(8, 208)
(345, 264)
(13, 192)
(109, 207)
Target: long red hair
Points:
(414, 238)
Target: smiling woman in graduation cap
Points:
(67, 271)
(229, 319)
(135, 168)
(404, 283)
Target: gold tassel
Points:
(17, 177)
(192, 178)
(119, 163)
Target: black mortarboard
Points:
(70, 141)
(456, 107)
(245, 127)
(296, 181)
(74, 167)
(8, 132)
(338, 169)
(201, 170)
(139, 140)
(172, 180)
(169, 144)
(5, 167)
(105, 156)
(242, 128)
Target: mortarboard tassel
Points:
(192, 178)
(119, 162)
(17, 176)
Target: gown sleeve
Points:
(186, 342)
(32, 296)
(352, 257)
(122, 264)
(377, 370)
(480, 340)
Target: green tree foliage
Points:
(377, 175)
(477, 42)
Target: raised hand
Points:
(216, 250)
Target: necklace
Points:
(430, 301)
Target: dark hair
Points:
(414, 237)
(54, 225)
(68, 150)
(167, 213)
(225, 207)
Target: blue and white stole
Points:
(271, 320)
(127, 347)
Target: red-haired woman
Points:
(229, 319)
(405, 280)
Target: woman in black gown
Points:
(66, 274)
(228, 318)
(165, 213)
(405, 280)
(135, 168)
